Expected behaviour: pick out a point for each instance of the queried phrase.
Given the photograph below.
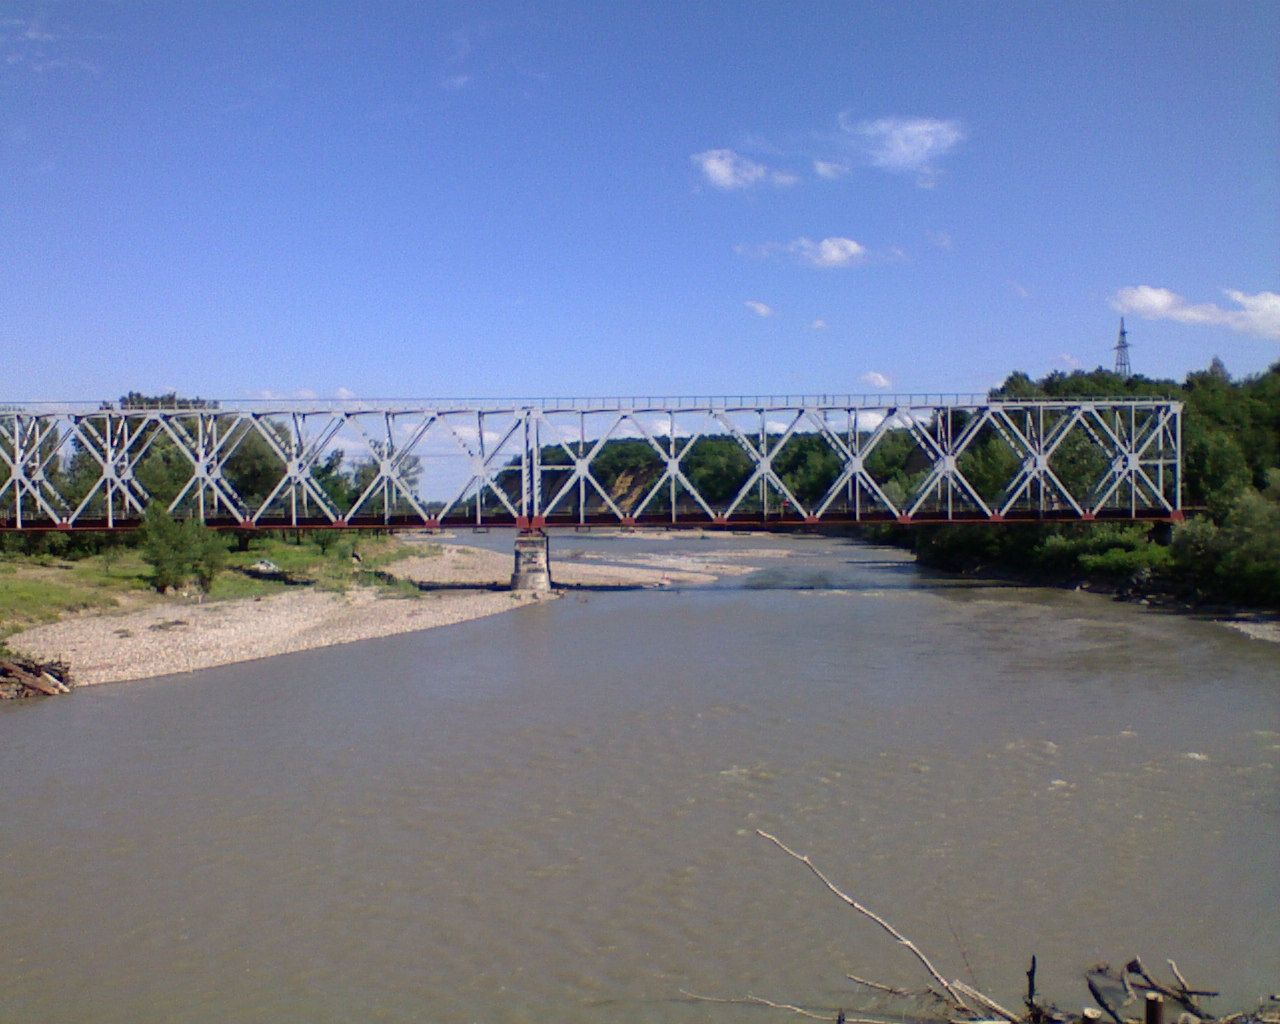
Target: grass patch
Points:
(26, 601)
(44, 588)
(326, 563)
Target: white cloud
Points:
(346, 394)
(758, 308)
(1019, 289)
(726, 169)
(939, 239)
(455, 82)
(907, 144)
(1257, 314)
(835, 251)
(1069, 361)
(819, 325)
(876, 380)
(830, 169)
(829, 252)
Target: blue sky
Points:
(411, 199)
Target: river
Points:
(549, 815)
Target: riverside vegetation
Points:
(52, 575)
(1227, 552)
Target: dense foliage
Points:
(180, 552)
(1229, 548)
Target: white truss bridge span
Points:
(773, 462)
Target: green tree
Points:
(1249, 570)
(180, 551)
(164, 548)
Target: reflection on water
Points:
(549, 815)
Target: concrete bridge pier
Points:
(532, 572)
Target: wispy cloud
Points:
(726, 169)
(758, 308)
(37, 33)
(818, 325)
(911, 145)
(939, 239)
(297, 394)
(1256, 314)
(830, 169)
(876, 380)
(835, 251)
(455, 82)
(1069, 361)
(30, 43)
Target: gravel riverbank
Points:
(458, 584)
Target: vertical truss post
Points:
(764, 484)
(671, 454)
(582, 480)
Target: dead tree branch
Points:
(987, 1002)
(1184, 997)
(750, 1000)
(1183, 982)
(1101, 1000)
(911, 946)
(903, 992)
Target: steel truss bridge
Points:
(747, 462)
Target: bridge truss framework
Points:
(535, 464)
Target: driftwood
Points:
(959, 999)
(24, 677)
(907, 943)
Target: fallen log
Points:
(25, 677)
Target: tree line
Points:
(1227, 551)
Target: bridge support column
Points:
(532, 572)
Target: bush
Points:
(1119, 565)
(1196, 549)
(180, 552)
(1249, 571)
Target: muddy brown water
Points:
(549, 815)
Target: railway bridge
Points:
(744, 462)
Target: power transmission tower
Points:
(1123, 369)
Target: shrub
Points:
(180, 552)
(1120, 565)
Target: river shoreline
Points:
(1258, 624)
(458, 584)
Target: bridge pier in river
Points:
(532, 573)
